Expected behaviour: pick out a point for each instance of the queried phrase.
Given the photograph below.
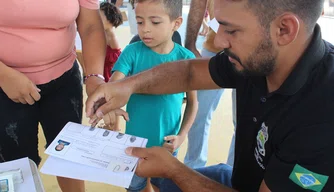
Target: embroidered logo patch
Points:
(308, 179)
(260, 150)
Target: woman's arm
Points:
(93, 39)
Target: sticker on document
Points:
(6, 183)
(16, 174)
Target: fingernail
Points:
(128, 150)
(99, 114)
(91, 121)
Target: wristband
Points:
(94, 75)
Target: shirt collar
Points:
(299, 75)
(311, 57)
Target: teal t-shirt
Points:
(151, 116)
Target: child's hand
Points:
(173, 142)
(110, 119)
(104, 126)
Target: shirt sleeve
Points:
(125, 61)
(191, 56)
(222, 72)
(89, 4)
(303, 161)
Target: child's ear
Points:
(177, 23)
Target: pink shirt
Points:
(37, 36)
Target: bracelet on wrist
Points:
(94, 75)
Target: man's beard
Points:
(261, 62)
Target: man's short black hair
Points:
(307, 10)
(173, 7)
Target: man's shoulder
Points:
(330, 48)
(219, 59)
(327, 69)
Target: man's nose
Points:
(221, 40)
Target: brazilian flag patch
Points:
(308, 179)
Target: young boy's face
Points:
(154, 24)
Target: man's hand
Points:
(92, 83)
(106, 97)
(154, 162)
(18, 87)
(173, 142)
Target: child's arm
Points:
(112, 39)
(189, 113)
(116, 75)
(112, 119)
(174, 142)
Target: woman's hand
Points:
(18, 87)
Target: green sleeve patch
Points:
(308, 179)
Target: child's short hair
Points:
(112, 13)
(173, 7)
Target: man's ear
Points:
(287, 28)
(177, 23)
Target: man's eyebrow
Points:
(227, 24)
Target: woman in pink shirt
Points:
(40, 81)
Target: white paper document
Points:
(16, 176)
(214, 25)
(97, 152)
(59, 167)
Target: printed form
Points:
(99, 152)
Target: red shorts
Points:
(111, 58)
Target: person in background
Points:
(208, 100)
(111, 18)
(118, 3)
(205, 25)
(132, 17)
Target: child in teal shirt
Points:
(156, 117)
(152, 116)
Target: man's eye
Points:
(156, 23)
(230, 32)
